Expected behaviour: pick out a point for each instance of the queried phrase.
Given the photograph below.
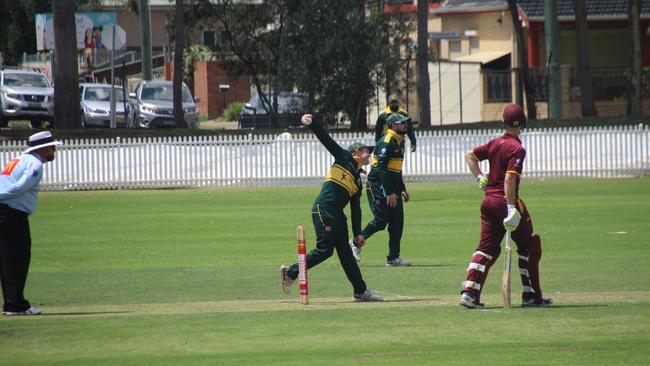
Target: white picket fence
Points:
(299, 159)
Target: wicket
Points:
(302, 266)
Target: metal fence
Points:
(299, 159)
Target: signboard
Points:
(120, 37)
(444, 35)
(90, 27)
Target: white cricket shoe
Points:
(356, 251)
(31, 311)
(398, 262)
(469, 301)
(286, 280)
(367, 296)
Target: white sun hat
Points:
(40, 140)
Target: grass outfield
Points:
(190, 277)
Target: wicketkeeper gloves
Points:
(512, 220)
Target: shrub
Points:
(232, 111)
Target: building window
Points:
(209, 38)
(455, 49)
(473, 45)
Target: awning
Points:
(481, 57)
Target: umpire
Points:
(342, 185)
(386, 190)
(19, 185)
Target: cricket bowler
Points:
(342, 185)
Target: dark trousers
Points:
(15, 254)
(385, 215)
(332, 232)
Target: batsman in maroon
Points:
(502, 210)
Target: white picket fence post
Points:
(249, 160)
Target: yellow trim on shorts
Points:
(395, 165)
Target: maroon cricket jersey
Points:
(506, 155)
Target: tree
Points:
(249, 38)
(334, 55)
(529, 85)
(634, 94)
(422, 57)
(584, 73)
(179, 46)
(66, 71)
(333, 50)
(17, 28)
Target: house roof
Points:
(534, 9)
(471, 6)
(596, 9)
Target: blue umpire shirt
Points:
(19, 182)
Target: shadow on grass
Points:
(86, 313)
(413, 265)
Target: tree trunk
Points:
(66, 73)
(422, 61)
(529, 84)
(634, 94)
(584, 70)
(179, 44)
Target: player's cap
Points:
(513, 115)
(396, 118)
(40, 140)
(393, 98)
(359, 145)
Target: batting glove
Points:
(482, 181)
(511, 222)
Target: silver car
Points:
(96, 105)
(152, 106)
(25, 95)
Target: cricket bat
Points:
(505, 282)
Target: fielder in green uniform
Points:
(381, 127)
(342, 185)
(386, 191)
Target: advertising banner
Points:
(89, 29)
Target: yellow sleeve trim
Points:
(513, 172)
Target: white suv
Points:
(25, 95)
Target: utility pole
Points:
(145, 34)
(552, 30)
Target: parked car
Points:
(95, 102)
(152, 105)
(25, 95)
(291, 106)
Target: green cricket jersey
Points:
(387, 161)
(343, 181)
(381, 128)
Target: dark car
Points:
(291, 106)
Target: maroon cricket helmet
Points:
(513, 115)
